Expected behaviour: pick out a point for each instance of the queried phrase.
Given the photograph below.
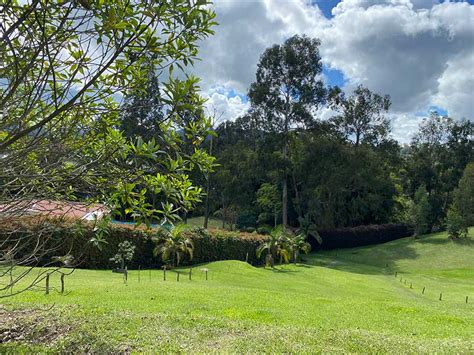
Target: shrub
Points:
(208, 245)
(264, 230)
(360, 236)
(456, 224)
(125, 253)
(245, 220)
(421, 212)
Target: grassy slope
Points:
(345, 300)
(214, 223)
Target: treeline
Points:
(280, 164)
(335, 181)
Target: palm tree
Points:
(308, 228)
(174, 245)
(275, 246)
(297, 244)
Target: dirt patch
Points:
(31, 326)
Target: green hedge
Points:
(212, 245)
(75, 239)
(362, 235)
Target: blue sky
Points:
(420, 52)
(326, 6)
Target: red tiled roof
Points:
(74, 210)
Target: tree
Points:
(142, 112)
(461, 213)
(437, 157)
(297, 244)
(286, 93)
(464, 195)
(63, 66)
(175, 245)
(275, 246)
(125, 253)
(456, 224)
(268, 199)
(361, 115)
(308, 229)
(421, 213)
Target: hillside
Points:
(342, 300)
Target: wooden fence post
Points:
(62, 283)
(47, 284)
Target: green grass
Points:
(337, 301)
(214, 223)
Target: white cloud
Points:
(420, 52)
(223, 104)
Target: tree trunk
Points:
(206, 204)
(208, 187)
(284, 208)
(297, 196)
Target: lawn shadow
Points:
(307, 266)
(371, 259)
(443, 241)
(275, 269)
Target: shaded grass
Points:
(337, 301)
(213, 223)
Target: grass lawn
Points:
(338, 301)
(213, 223)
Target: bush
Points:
(421, 212)
(455, 224)
(75, 237)
(360, 236)
(245, 220)
(209, 245)
(265, 230)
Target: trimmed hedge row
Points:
(359, 236)
(74, 238)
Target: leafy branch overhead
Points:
(66, 67)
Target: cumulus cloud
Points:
(225, 104)
(395, 49)
(420, 52)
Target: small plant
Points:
(297, 244)
(308, 229)
(275, 246)
(125, 253)
(174, 245)
(455, 224)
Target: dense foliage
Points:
(337, 183)
(152, 247)
(123, 244)
(65, 67)
(360, 236)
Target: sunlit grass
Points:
(345, 300)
